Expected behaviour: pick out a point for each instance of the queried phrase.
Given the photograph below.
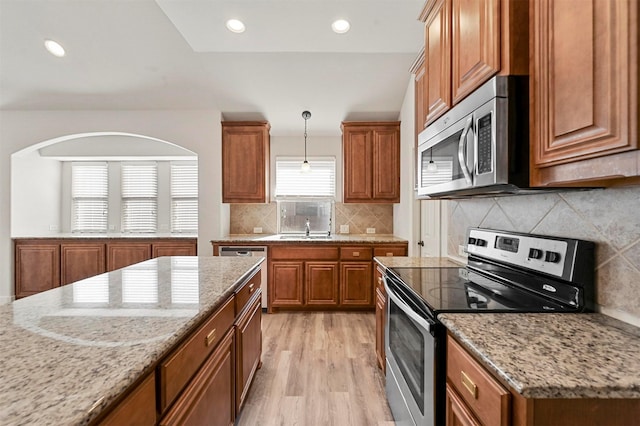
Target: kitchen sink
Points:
(304, 237)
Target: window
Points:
(184, 197)
(139, 197)
(319, 182)
(89, 197)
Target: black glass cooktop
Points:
(462, 290)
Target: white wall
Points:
(35, 202)
(196, 130)
(406, 214)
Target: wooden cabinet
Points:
(120, 255)
(81, 260)
(138, 408)
(356, 284)
(286, 284)
(371, 155)
(173, 248)
(381, 317)
(584, 92)
(44, 263)
(37, 267)
(466, 43)
(209, 399)
(321, 283)
(245, 162)
(457, 413)
(248, 347)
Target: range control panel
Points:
(542, 254)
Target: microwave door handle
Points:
(462, 151)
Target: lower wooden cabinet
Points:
(286, 284)
(37, 267)
(356, 287)
(381, 317)
(458, 414)
(138, 408)
(80, 261)
(248, 348)
(321, 284)
(45, 263)
(209, 398)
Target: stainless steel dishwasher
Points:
(251, 251)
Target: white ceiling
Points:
(177, 54)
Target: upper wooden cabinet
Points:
(466, 43)
(245, 161)
(371, 155)
(584, 91)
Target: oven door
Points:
(410, 344)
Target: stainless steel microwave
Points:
(479, 147)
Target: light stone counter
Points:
(67, 353)
(554, 355)
(288, 239)
(417, 262)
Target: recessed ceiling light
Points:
(340, 26)
(235, 26)
(54, 48)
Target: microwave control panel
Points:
(484, 144)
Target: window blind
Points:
(184, 197)
(89, 194)
(139, 197)
(319, 182)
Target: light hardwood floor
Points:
(318, 368)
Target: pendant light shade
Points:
(306, 167)
(432, 167)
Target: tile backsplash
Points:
(359, 217)
(608, 217)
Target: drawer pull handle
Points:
(211, 337)
(356, 254)
(390, 254)
(467, 383)
(251, 287)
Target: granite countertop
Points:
(69, 352)
(554, 355)
(417, 262)
(88, 235)
(338, 238)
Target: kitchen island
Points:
(71, 353)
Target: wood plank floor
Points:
(318, 368)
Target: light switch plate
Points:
(344, 229)
(257, 230)
(371, 230)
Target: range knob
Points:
(472, 241)
(535, 253)
(481, 243)
(552, 256)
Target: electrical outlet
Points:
(461, 251)
(371, 230)
(257, 230)
(112, 227)
(344, 229)
(53, 227)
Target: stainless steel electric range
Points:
(505, 272)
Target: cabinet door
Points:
(475, 26)
(419, 89)
(381, 314)
(209, 399)
(286, 284)
(458, 414)
(174, 248)
(81, 260)
(120, 255)
(386, 164)
(37, 268)
(357, 150)
(245, 160)
(356, 284)
(138, 408)
(248, 350)
(437, 53)
(321, 283)
(584, 87)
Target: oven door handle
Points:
(462, 150)
(426, 324)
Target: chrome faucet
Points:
(329, 230)
(307, 228)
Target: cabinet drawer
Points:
(304, 253)
(248, 289)
(487, 398)
(180, 366)
(356, 253)
(390, 251)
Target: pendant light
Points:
(306, 167)
(432, 167)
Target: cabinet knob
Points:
(356, 254)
